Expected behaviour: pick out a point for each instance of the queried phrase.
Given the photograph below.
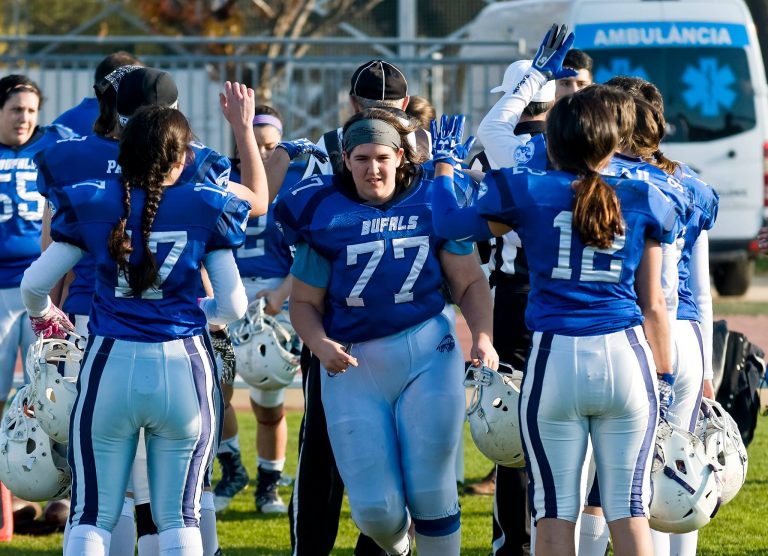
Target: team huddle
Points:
(177, 268)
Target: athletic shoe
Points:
(234, 478)
(485, 487)
(268, 501)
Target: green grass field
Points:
(738, 530)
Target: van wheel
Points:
(733, 277)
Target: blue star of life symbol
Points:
(709, 87)
(619, 66)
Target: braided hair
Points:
(154, 140)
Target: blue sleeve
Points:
(64, 224)
(459, 247)
(294, 206)
(207, 165)
(311, 267)
(229, 232)
(285, 220)
(713, 209)
(220, 170)
(668, 223)
(44, 176)
(452, 222)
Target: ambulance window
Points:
(707, 91)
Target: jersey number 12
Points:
(563, 271)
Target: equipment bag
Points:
(743, 369)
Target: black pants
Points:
(313, 511)
(511, 525)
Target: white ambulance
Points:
(705, 58)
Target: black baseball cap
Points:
(379, 80)
(145, 87)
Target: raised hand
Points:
(238, 104)
(446, 140)
(551, 53)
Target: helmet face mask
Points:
(686, 493)
(493, 415)
(32, 466)
(267, 350)
(723, 443)
(52, 395)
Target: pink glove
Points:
(53, 324)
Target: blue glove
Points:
(551, 53)
(446, 141)
(303, 146)
(666, 393)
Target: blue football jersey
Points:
(637, 169)
(21, 205)
(101, 153)
(80, 119)
(56, 170)
(205, 164)
(576, 290)
(386, 275)
(705, 205)
(192, 220)
(534, 153)
(265, 253)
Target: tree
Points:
(288, 19)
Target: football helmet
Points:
(52, 395)
(685, 488)
(493, 416)
(722, 442)
(32, 466)
(267, 351)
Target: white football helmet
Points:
(267, 351)
(493, 415)
(32, 466)
(722, 442)
(51, 395)
(685, 488)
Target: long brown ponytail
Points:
(651, 125)
(581, 134)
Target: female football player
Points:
(368, 301)
(101, 150)
(21, 211)
(264, 262)
(693, 326)
(595, 264)
(146, 364)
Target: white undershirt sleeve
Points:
(699, 285)
(670, 279)
(497, 130)
(43, 274)
(229, 301)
